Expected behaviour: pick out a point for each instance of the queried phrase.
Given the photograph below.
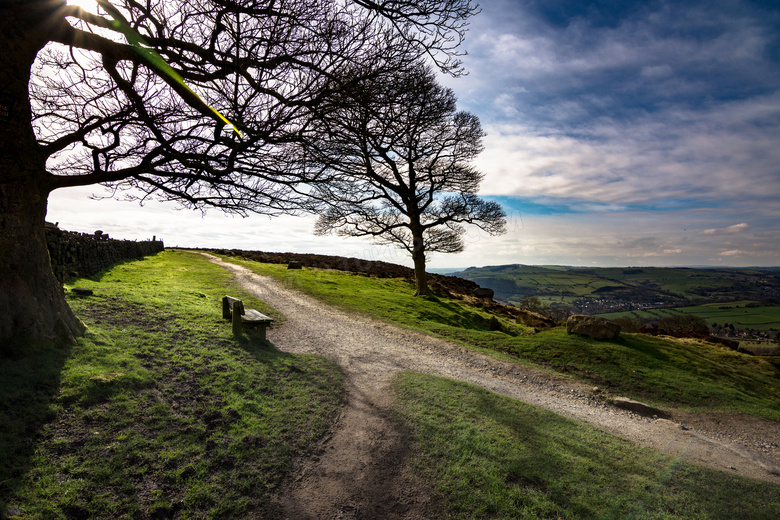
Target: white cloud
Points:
(558, 126)
(718, 156)
(603, 120)
(736, 228)
(657, 71)
(504, 103)
(733, 252)
(74, 211)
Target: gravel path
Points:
(358, 471)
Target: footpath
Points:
(359, 470)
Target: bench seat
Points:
(233, 310)
(252, 316)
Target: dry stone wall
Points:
(82, 254)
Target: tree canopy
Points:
(111, 114)
(398, 159)
(189, 100)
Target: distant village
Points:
(595, 306)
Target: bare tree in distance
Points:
(533, 303)
(398, 156)
(194, 101)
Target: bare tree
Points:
(398, 158)
(188, 100)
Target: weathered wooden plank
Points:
(227, 305)
(233, 309)
(253, 316)
(237, 310)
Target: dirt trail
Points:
(359, 470)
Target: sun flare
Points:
(87, 5)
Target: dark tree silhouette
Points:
(398, 161)
(138, 96)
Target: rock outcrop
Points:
(637, 407)
(593, 326)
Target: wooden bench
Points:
(233, 309)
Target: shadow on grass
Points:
(644, 345)
(28, 388)
(449, 313)
(493, 457)
(261, 350)
(98, 276)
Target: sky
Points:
(619, 133)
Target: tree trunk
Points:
(33, 310)
(418, 257)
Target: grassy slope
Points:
(494, 457)
(663, 372)
(158, 412)
(550, 283)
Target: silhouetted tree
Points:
(139, 96)
(398, 158)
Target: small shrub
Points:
(683, 325)
(629, 324)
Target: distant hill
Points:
(607, 289)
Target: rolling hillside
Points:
(600, 290)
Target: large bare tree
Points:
(398, 156)
(189, 100)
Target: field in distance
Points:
(744, 315)
(737, 303)
(613, 289)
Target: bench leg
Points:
(258, 331)
(236, 323)
(261, 332)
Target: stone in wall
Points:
(83, 254)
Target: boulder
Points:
(534, 319)
(730, 343)
(593, 326)
(483, 292)
(635, 406)
(650, 329)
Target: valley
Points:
(736, 303)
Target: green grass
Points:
(158, 411)
(565, 284)
(666, 373)
(389, 299)
(516, 281)
(684, 374)
(755, 316)
(742, 315)
(494, 457)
